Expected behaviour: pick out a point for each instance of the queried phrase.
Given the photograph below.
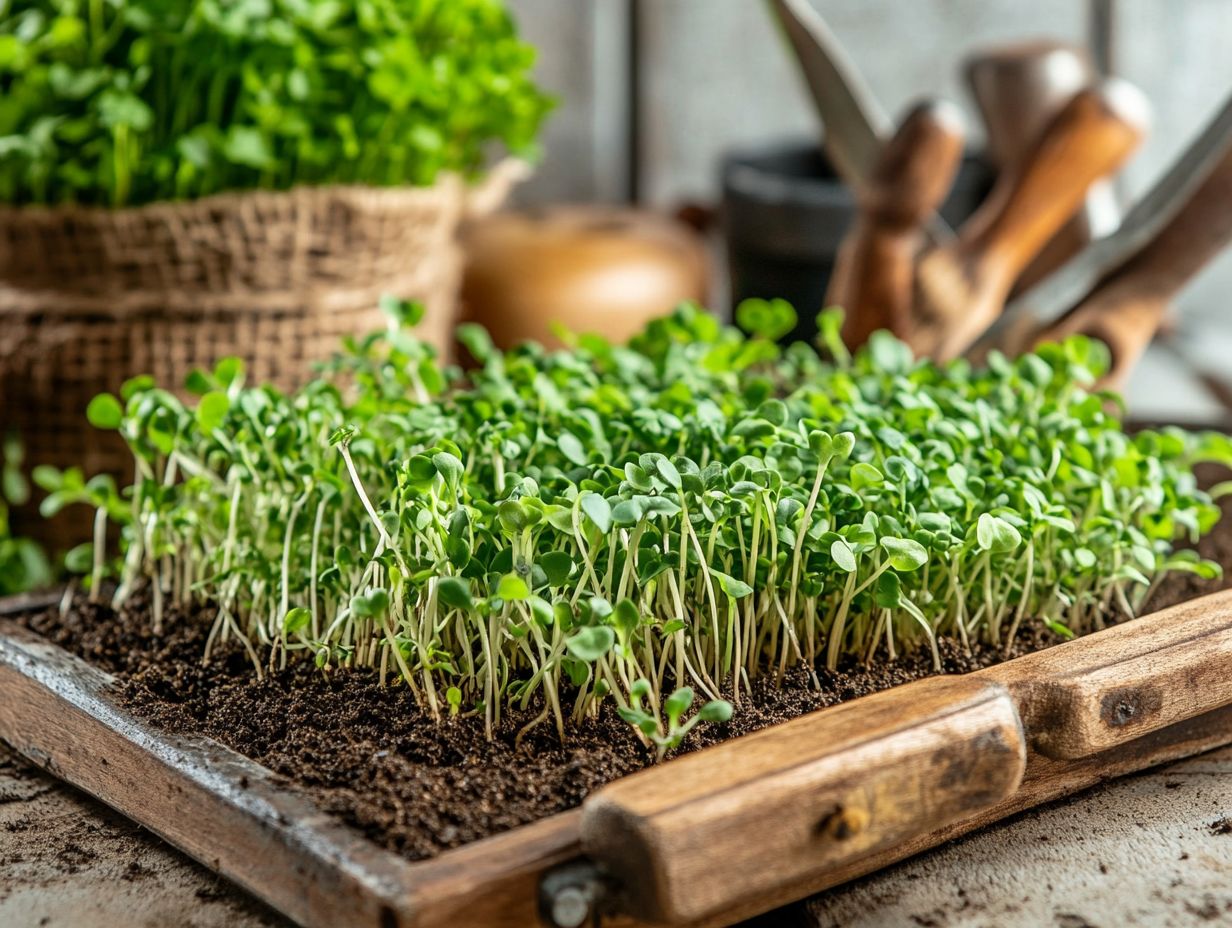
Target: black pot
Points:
(785, 213)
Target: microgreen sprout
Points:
(648, 523)
(666, 737)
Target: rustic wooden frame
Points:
(982, 746)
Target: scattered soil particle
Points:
(217, 890)
(370, 756)
(22, 795)
(78, 858)
(72, 857)
(1221, 826)
(791, 916)
(1209, 910)
(1071, 920)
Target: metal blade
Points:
(855, 125)
(1064, 289)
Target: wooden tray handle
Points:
(707, 832)
(1126, 681)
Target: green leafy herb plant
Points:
(123, 102)
(23, 563)
(643, 524)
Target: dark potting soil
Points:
(370, 756)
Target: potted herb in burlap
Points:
(187, 180)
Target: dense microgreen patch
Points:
(650, 524)
(120, 102)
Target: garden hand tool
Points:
(1018, 88)
(961, 287)
(874, 270)
(1060, 292)
(855, 125)
(1128, 304)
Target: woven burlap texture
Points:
(90, 297)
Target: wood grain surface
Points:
(753, 814)
(1086, 696)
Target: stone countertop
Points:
(1154, 849)
(66, 860)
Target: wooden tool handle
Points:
(916, 167)
(1019, 87)
(702, 834)
(961, 288)
(872, 277)
(872, 281)
(1126, 307)
(1112, 687)
(1087, 140)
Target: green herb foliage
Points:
(647, 522)
(121, 102)
(23, 563)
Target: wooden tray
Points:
(707, 839)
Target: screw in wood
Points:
(569, 896)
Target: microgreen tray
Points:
(855, 787)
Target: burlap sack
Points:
(90, 297)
